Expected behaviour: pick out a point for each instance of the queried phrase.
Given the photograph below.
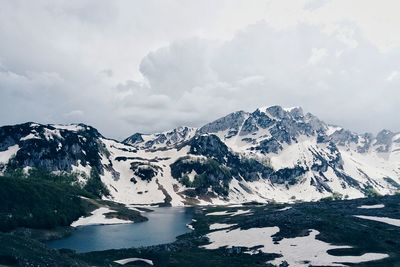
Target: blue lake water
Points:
(163, 226)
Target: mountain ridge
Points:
(270, 154)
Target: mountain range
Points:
(271, 154)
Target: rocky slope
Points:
(271, 154)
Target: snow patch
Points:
(98, 217)
(130, 260)
(230, 213)
(188, 225)
(29, 136)
(395, 222)
(283, 209)
(69, 127)
(377, 206)
(217, 226)
(5, 156)
(218, 213)
(241, 212)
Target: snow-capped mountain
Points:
(271, 154)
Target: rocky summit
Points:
(271, 154)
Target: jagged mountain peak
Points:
(230, 123)
(279, 111)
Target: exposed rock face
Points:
(144, 171)
(134, 139)
(344, 137)
(270, 154)
(230, 123)
(52, 147)
(269, 146)
(384, 140)
(209, 146)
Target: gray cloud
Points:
(340, 76)
(136, 66)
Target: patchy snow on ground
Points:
(188, 225)
(299, 251)
(221, 213)
(395, 222)
(235, 206)
(245, 238)
(241, 212)
(377, 206)
(131, 260)
(98, 217)
(218, 213)
(283, 209)
(217, 226)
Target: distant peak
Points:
(385, 132)
(275, 107)
(291, 109)
(75, 127)
(279, 111)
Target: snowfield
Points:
(395, 222)
(299, 251)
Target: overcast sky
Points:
(145, 66)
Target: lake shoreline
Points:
(163, 226)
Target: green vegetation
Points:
(120, 211)
(334, 196)
(209, 173)
(371, 192)
(41, 199)
(21, 251)
(37, 203)
(95, 186)
(42, 175)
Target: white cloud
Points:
(317, 55)
(74, 113)
(392, 76)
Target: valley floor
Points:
(360, 232)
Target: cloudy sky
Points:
(128, 66)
